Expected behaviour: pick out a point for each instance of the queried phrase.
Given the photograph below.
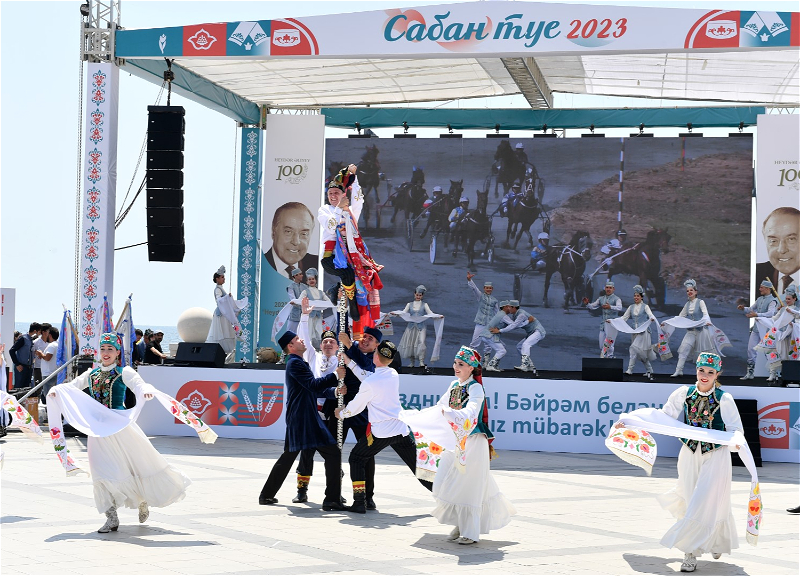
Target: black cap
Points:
(284, 340)
(374, 332)
(328, 334)
(387, 349)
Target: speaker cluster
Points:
(164, 183)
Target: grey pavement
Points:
(577, 514)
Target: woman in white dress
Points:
(641, 345)
(225, 327)
(413, 344)
(466, 494)
(701, 501)
(315, 316)
(696, 340)
(126, 470)
(787, 336)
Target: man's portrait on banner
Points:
(780, 231)
(292, 227)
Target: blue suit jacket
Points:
(304, 427)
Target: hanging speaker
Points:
(164, 180)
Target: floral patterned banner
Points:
(248, 265)
(99, 185)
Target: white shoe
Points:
(677, 373)
(716, 555)
(492, 366)
(689, 563)
(454, 535)
(629, 371)
(144, 512)
(112, 521)
(465, 540)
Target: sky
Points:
(39, 137)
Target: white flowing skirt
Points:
(222, 331)
(472, 500)
(701, 502)
(126, 470)
(412, 344)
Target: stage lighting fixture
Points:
(641, 128)
(358, 127)
(591, 128)
(544, 128)
(741, 126)
(449, 129)
(85, 10)
(405, 127)
(689, 126)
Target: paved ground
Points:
(577, 514)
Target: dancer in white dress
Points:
(641, 344)
(466, 494)
(701, 501)
(126, 470)
(413, 345)
(225, 327)
(697, 339)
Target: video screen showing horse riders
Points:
(548, 223)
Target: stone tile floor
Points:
(577, 514)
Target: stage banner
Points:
(500, 29)
(7, 310)
(249, 219)
(778, 200)
(100, 187)
(291, 197)
(525, 414)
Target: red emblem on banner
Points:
(773, 426)
(233, 403)
(204, 40)
(291, 38)
(717, 29)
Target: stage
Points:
(542, 414)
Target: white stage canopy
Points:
(476, 49)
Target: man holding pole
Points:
(304, 427)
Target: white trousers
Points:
(602, 339)
(498, 350)
(525, 345)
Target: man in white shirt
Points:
(48, 357)
(38, 346)
(380, 393)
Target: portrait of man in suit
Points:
(292, 225)
(780, 231)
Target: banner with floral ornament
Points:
(99, 200)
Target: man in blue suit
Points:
(304, 427)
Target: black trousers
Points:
(402, 444)
(333, 478)
(23, 378)
(306, 465)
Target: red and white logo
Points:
(290, 37)
(717, 29)
(721, 29)
(286, 37)
(204, 40)
(773, 425)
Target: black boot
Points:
(370, 504)
(302, 496)
(359, 505)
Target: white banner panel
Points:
(100, 188)
(531, 415)
(778, 200)
(292, 193)
(7, 309)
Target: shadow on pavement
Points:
(138, 535)
(483, 552)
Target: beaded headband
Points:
(110, 338)
(469, 356)
(706, 359)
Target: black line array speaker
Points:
(606, 369)
(204, 354)
(164, 182)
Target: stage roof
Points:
(477, 49)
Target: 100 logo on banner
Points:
(292, 173)
(788, 175)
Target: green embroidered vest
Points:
(459, 398)
(702, 411)
(108, 388)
